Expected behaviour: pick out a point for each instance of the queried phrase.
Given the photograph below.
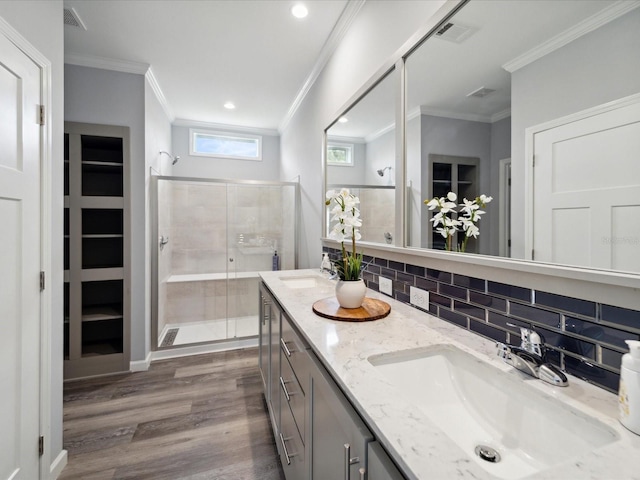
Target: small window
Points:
(340, 154)
(207, 143)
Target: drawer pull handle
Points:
(362, 472)
(348, 461)
(284, 389)
(284, 347)
(284, 447)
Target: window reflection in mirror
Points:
(504, 80)
(361, 156)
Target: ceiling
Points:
(204, 53)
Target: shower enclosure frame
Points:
(155, 244)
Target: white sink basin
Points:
(300, 282)
(475, 404)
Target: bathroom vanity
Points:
(412, 396)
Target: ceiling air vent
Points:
(72, 18)
(455, 32)
(481, 92)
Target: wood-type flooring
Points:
(192, 418)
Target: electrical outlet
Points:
(419, 298)
(386, 286)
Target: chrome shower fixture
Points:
(382, 170)
(174, 158)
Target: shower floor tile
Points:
(212, 330)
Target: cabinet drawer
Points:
(290, 446)
(380, 466)
(293, 394)
(294, 349)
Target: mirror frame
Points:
(611, 287)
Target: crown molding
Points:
(183, 122)
(496, 117)
(342, 139)
(162, 100)
(372, 136)
(608, 14)
(104, 63)
(342, 25)
(472, 117)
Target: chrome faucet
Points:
(529, 358)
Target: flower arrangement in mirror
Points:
(346, 214)
(465, 221)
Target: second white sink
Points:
(476, 404)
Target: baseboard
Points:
(140, 365)
(206, 348)
(58, 465)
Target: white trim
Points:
(162, 100)
(342, 25)
(339, 139)
(504, 220)
(372, 136)
(104, 63)
(58, 465)
(140, 365)
(530, 134)
(216, 133)
(183, 122)
(496, 117)
(606, 15)
(471, 117)
(46, 209)
(206, 348)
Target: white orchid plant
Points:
(466, 218)
(346, 214)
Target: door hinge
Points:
(41, 445)
(42, 281)
(533, 160)
(41, 115)
(533, 254)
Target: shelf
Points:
(102, 252)
(102, 312)
(103, 222)
(102, 149)
(102, 180)
(102, 164)
(103, 235)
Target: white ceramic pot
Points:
(350, 294)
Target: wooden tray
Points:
(371, 309)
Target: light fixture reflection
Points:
(229, 106)
(343, 120)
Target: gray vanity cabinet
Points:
(379, 465)
(339, 437)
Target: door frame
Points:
(529, 156)
(47, 468)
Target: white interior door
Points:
(587, 191)
(19, 263)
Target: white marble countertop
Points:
(423, 450)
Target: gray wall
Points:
(449, 136)
(352, 175)
(157, 138)
(597, 68)
(378, 31)
(114, 98)
(40, 22)
(234, 169)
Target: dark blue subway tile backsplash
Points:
(560, 302)
(584, 338)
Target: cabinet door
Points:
(339, 437)
(380, 466)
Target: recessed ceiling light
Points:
(343, 120)
(229, 106)
(299, 11)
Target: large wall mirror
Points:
(361, 154)
(502, 82)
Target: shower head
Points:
(174, 158)
(382, 170)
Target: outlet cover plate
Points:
(386, 286)
(419, 298)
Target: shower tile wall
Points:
(198, 228)
(164, 261)
(377, 207)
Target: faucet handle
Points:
(530, 340)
